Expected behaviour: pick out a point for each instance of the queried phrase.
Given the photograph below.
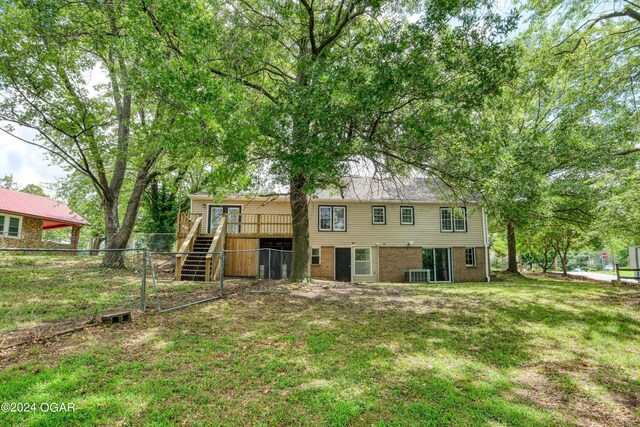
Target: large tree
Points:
(71, 72)
(554, 122)
(323, 84)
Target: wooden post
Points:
(178, 267)
(207, 269)
(258, 222)
(618, 272)
(75, 237)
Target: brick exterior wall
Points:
(31, 233)
(395, 261)
(462, 273)
(325, 270)
(31, 236)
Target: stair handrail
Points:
(187, 246)
(217, 245)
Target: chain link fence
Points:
(182, 279)
(44, 291)
(274, 264)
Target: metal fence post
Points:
(222, 257)
(143, 291)
(269, 250)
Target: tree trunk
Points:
(95, 245)
(563, 260)
(113, 258)
(300, 270)
(512, 260)
(117, 235)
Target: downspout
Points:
(485, 236)
(378, 261)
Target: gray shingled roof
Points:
(386, 189)
(373, 189)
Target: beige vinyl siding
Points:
(360, 230)
(425, 232)
(249, 206)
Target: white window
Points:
(379, 215)
(315, 256)
(10, 226)
(470, 257)
(324, 218)
(332, 218)
(446, 220)
(460, 220)
(453, 219)
(339, 218)
(362, 262)
(406, 215)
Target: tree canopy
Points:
(320, 87)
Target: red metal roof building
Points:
(23, 216)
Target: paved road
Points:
(599, 276)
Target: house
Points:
(24, 216)
(370, 231)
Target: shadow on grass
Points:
(366, 360)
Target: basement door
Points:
(438, 260)
(343, 264)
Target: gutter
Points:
(318, 200)
(485, 236)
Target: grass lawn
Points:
(42, 289)
(524, 352)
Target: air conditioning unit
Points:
(417, 276)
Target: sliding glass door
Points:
(438, 260)
(216, 212)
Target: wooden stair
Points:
(194, 267)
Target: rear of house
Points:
(367, 232)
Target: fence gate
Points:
(183, 279)
(274, 264)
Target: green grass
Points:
(40, 289)
(523, 352)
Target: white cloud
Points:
(28, 164)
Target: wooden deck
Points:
(199, 252)
(256, 226)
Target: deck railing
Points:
(213, 260)
(187, 246)
(184, 223)
(259, 225)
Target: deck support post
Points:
(222, 272)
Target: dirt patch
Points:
(563, 387)
(42, 332)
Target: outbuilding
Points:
(23, 218)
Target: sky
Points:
(27, 163)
